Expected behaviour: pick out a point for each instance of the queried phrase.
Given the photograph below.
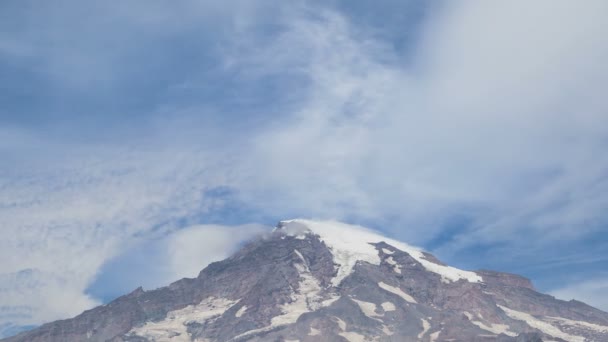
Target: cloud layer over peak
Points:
(472, 129)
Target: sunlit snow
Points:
(350, 244)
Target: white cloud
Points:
(192, 248)
(497, 112)
(592, 292)
(500, 116)
(33, 296)
(63, 219)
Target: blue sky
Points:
(142, 140)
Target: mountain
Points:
(328, 281)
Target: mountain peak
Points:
(352, 243)
(314, 281)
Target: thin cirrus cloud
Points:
(476, 121)
(491, 116)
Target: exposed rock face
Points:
(326, 281)
(506, 278)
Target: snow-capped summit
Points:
(350, 244)
(329, 281)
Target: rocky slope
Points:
(327, 281)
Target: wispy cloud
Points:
(491, 113)
(488, 120)
(156, 261)
(61, 222)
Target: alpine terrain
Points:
(329, 281)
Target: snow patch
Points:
(387, 251)
(398, 292)
(306, 299)
(388, 306)
(493, 327)
(350, 244)
(350, 336)
(434, 336)
(241, 311)
(425, 328)
(541, 325)
(329, 301)
(341, 323)
(579, 324)
(387, 331)
(369, 309)
(173, 327)
(314, 332)
(396, 266)
(300, 255)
